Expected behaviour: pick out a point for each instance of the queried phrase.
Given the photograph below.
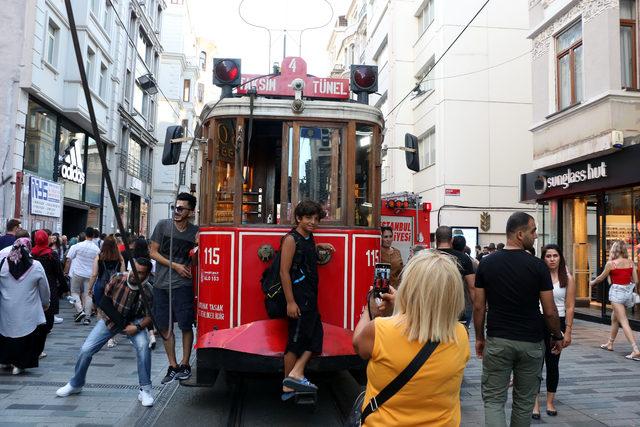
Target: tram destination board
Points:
(295, 68)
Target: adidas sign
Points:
(71, 169)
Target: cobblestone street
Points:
(596, 387)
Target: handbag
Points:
(636, 298)
(357, 416)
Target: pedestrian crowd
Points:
(416, 342)
(126, 291)
(415, 336)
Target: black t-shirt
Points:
(513, 280)
(304, 283)
(465, 267)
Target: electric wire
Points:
(439, 59)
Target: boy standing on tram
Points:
(299, 275)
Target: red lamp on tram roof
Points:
(226, 74)
(364, 80)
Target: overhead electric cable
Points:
(439, 59)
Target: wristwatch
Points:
(557, 338)
(139, 328)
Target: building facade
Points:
(51, 163)
(186, 79)
(470, 111)
(585, 135)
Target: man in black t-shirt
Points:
(444, 240)
(512, 282)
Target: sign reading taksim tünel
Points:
(295, 68)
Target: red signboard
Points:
(294, 67)
(451, 191)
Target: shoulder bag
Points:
(357, 416)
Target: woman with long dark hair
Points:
(564, 295)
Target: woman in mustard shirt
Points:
(426, 307)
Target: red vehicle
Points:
(409, 218)
(282, 139)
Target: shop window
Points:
(569, 66)
(628, 43)
(93, 191)
(364, 179)
(39, 152)
(72, 155)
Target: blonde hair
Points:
(618, 250)
(430, 297)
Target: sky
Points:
(220, 22)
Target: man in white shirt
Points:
(81, 257)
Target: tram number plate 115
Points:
(211, 256)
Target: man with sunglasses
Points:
(181, 303)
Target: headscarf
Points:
(41, 239)
(19, 259)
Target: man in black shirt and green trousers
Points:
(509, 286)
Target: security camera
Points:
(297, 84)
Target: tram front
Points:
(281, 140)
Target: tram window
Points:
(319, 168)
(225, 171)
(364, 184)
(261, 173)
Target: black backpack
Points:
(274, 299)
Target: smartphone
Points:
(381, 279)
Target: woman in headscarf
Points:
(44, 253)
(24, 295)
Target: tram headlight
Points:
(226, 74)
(364, 80)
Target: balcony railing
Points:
(135, 168)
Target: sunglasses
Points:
(180, 209)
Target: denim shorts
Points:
(182, 304)
(622, 294)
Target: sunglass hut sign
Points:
(570, 177)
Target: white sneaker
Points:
(57, 319)
(68, 390)
(145, 397)
(111, 343)
(17, 371)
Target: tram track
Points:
(254, 401)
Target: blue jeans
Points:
(98, 337)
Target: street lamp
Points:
(148, 83)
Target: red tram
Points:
(281, 139)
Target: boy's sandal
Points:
(299, 385)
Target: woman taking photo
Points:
(390, 255)
(426, 309)
(564, 295)
(24, 296)
(623, 277)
